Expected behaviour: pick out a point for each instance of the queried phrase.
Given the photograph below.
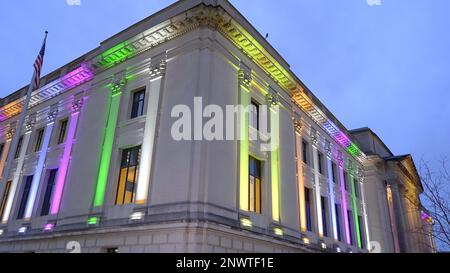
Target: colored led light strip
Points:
(275, 161)
(149, 139)
(72, 79)
(64, 164)
(300, 183)
(332, 208)
(108, 142)
(355, 211)
(366, 221)
(344, 206)
(12, 192)
(244, 150)
(317, 192)
(4, 156)
(38, 172)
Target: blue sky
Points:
(385, 67)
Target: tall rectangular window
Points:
(337, 209)
(320, 161)
(350, 226)
(2, 147)
(39, 137)
(48, 192)
(333, 171)
(305, 152)
(323, 203)
(62, 130)
(25, 194)
(129, 172)
(355, 183)
(308, 209)
(254, 185)
(19, 147)
(345, 181)
(254, 115)
(5, 197)
(137, 109)
(361, 232)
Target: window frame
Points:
(138, 103)
(39, 138)
(48, 193)
(63, 123)
(24, 196)
(256, 190)
(126, 155)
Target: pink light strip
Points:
(63, 167)
(344, 205)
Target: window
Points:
(25, 194)
(5, 197)
(137, 109)
(355, 183)
(19, 147)
(62, 131)
(39, 136)
(48, 192)
(350, 226)
(305, 151)
(2, 147)
(337, 209)
(361, 232)
(129, 171)
(333, 171)
(254, 115)
(345, 181)
(323, 202)
(320, 162)
(308, 209)
(254, 185)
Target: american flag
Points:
(38, 65)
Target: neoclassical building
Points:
(97, 168)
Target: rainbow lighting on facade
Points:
(64, 163)
(39, 169)
(244, 94)
(274, 161)
(108, 141)
(93, 220)
(355, 212)
(344, 205)
(331, 206)
(82, 74)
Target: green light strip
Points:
(355, 212)
(107, 149)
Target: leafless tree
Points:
(436, 198)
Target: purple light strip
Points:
(63, 167)
(72, 79)
(344, 205)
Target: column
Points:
(315, 142)
(366, 221)
(274, 154)
(40, 165)
(155, 88)
(300, 182)
(355, 210)
(65, 160)
(244, 100)
(344, 201)
(18, 171)
(332, 208)
(108, 140)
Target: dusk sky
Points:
(385, 66)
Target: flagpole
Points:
(15, 140)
